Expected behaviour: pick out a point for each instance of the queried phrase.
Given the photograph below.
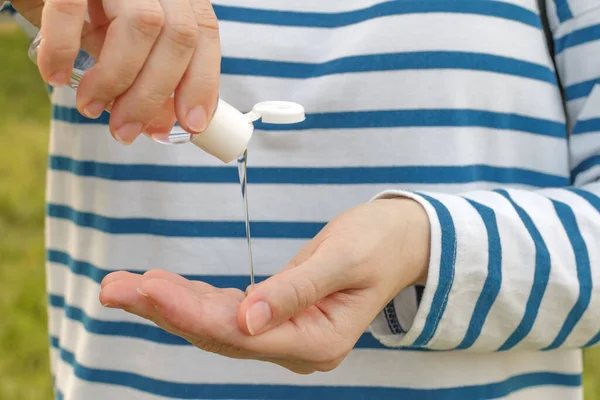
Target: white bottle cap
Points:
(229, 132)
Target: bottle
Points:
(229, 132)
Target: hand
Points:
(146, 51)
(309, 316)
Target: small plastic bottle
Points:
(229, 132)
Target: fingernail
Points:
(59, 79)
(258, 317)
(141, 292)
(94, 109)
(108, 305)
(196, 119)
(128, 133)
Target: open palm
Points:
(316, 339)
(306, 318)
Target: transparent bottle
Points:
(229, 132)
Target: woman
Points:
(448, 115)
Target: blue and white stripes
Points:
(453, 103)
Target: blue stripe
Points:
(584, 274)
(580, 90)
(309, 176)
(563, 11)
(586, 126)
(577, 37)
(384, 9)
(385, 119)
(493, 281)
(416, 60)
(96, 274)
(585, 165)
(242, 391)
(590, 197)
(446, 273)
(155, 334)
(540, 278)
(176, 228)
(593, 341)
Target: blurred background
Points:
(24, 120)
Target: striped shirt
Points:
(457, 104)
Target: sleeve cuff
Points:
(439, 321)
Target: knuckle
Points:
(202, 86)
(62, 52)
(148, 21)
(114, 85)
(305, 295)
(208, 22)
(69, 7)
(183, 34)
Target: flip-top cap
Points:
(229, 132)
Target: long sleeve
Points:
(517, 269)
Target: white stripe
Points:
(547, 393)
(384, 366)
(331, 6)
(574, 108)
(592, 105)
(579, 63)
(384, 35)
(186, 256)
(584, 10)
(302, 5)
(584, 146)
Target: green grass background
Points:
(24, 118)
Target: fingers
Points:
(62, 23)
(130, 37)
(123, 293)
(160, 75)
(116, 276)
(291, 292)
(163, 122)
(150, 50)
(197, 94)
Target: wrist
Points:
(414, 236)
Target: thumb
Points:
(290, 292)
